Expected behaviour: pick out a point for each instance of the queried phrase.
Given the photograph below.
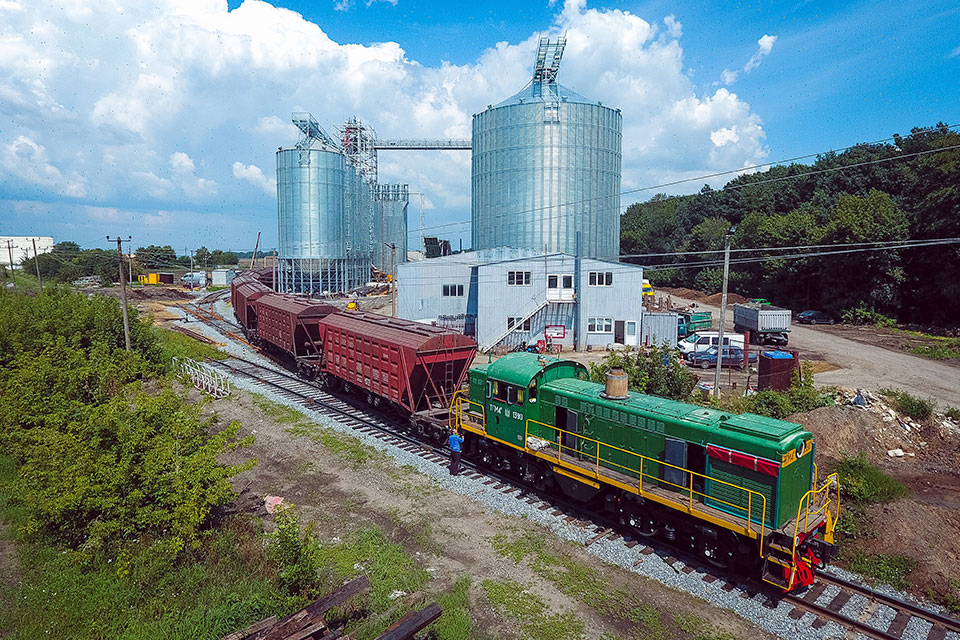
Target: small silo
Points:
(546, 165)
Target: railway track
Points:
(860, 610)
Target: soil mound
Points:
(732, 298)
(681, 292)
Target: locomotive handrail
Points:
(456, 406)
(689, 488)
(832, 479)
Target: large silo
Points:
(392, 225)
(318, 195)
(546, 166)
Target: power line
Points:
(722, 173)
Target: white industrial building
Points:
(505, 296)
(20, 247)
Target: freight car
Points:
(411, 367)
(740, 490)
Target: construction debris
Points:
(309, 622)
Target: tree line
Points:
(68, 262)
(894, 191)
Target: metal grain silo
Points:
(546, 165)
(310, 203)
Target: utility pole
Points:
(253, 262)
(123, 292)
(10, 255)
(36, 262)
(723, 306)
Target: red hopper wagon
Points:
(414, 366)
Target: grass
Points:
(865, 483)
(585, 584)
(910, 405)
(175, 344)
(531, 613)
(953, 413)
(891, 569)
(455, 623)
(950, 598)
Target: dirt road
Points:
(866, 366)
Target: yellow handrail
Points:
(689, 488)
(804, 506)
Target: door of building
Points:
(618, 332)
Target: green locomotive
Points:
(740, 490)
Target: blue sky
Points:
(162, 121)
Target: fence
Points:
(203, 377)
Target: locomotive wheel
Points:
(716, 553)
(643, 525)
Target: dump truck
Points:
(766, 323)
(693, 321)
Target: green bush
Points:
(910, 405)
(99, 460)
(295, 554)
(953, 413)
(657, 372)
(863, 315)
(863, 482)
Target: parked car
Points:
(732, 357)
(814, 317)
(703, 340)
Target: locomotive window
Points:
(512, 394)
(501, 391)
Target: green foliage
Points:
(891, 569)
(864, 483)
(156, 257)
(656, 372)
(100, 461)
(862, 315)
(830, 202)
(910, 405)
(940, 349)
(953, 413)
(530, 612)
(296, 555)
(802, 396)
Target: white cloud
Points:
(954, 53)
(254, 175)
(764, 47)
(182, 163)
(150, 111)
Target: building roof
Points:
(536, 92)
(498, 255)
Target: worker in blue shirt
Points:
(455, 441)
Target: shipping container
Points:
(659, 329)
(223, 277)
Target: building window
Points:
(553, 282)
(518, 278)
(599, 325)
(453, 291)
(514, 324)
(568, 282)
(601, 278)
(631, 328)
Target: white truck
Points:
(766, 323)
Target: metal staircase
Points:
(487, 347)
